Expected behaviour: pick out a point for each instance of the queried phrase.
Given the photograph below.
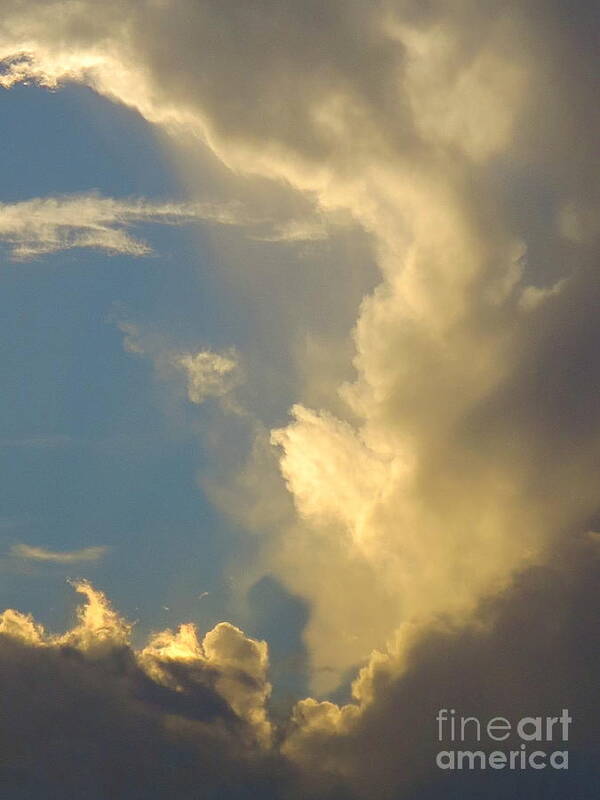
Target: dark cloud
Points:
(75, 724)
(532, 650)
(75, 727)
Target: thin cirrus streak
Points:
(44, 225)
(26, 551)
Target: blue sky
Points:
(94, 452)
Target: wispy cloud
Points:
(43, 225)
(57, 557)
(208, 374)
(49, 224)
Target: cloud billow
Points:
(182, 717)
(87, 715)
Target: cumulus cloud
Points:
(239, 666)
(385, 744)
(58, 557)
(87, 714)
(106, 720)
(419, 123)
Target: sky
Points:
(300, 425)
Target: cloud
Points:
(57, 557)
(187, 711)
(208, 374)
(46, 225)
(296, 230)
(436, 129)
(465, 449)
(39, 226)
(533, 296)
(88, 715)
(386, 743)
(239, 666)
